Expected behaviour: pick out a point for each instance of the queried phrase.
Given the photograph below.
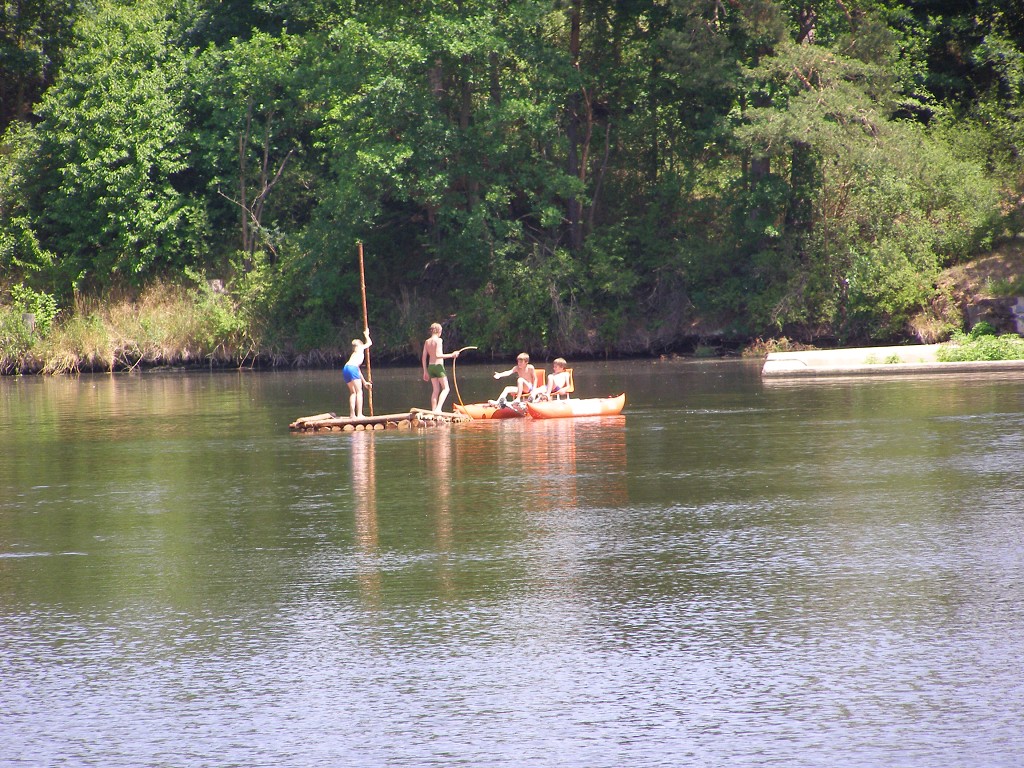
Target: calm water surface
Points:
(733, 573)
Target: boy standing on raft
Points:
(354, 376)
(433, 358)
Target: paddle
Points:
(366, 323)
(455, 380)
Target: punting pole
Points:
(366, 321)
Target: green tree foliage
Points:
(846, 234)
(34, 35)
(20, 251)
(563, 175)
(111, 143)
(442, 151)
(251, 129)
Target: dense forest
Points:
(580, 177)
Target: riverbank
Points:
(199, 325)
(875, 361)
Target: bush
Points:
(969, 348)
(762, 347)
(980, 330)
(15, 340)
(42, 306)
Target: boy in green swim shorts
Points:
(433, 358)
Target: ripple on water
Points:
(830, 578)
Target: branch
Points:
(277, 176)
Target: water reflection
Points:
(551, 460)
(439, 467)
(438, 462)
(564, 463)
(363, 455)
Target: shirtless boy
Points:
(526, 379)
(433, 358)
(558, 380)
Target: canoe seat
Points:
(541, 382)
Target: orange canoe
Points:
(487, 411)
(588, 406)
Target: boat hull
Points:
(487, 411)
(588, 406)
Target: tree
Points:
(112, 143)
(872, 207)
(251, 129)
(573, 174)
(441, 141)
(34, 35)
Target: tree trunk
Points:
(803, 181)
(576, 157)
(243, 149)
(465, 118)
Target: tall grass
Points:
(16, 340)
(166, 324)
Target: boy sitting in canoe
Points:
(558, 381)
(526, 380)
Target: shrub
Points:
(965, 348)
(980, 330)
(41, 305)
(15, 340)
(762, 347)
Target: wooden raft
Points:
(417, 418)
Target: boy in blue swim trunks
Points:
(353, 375)
(433, 358)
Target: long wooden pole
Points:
(366, 321)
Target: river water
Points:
(735, 572)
